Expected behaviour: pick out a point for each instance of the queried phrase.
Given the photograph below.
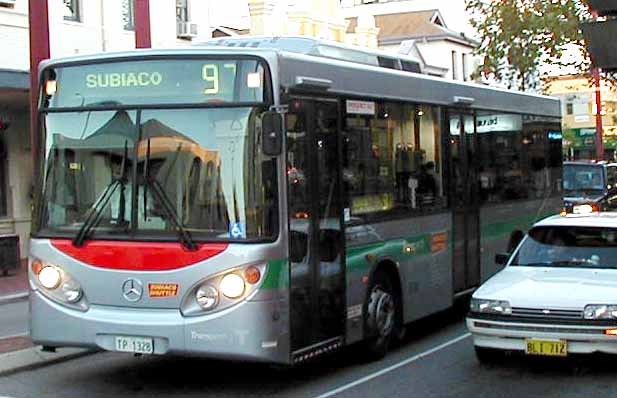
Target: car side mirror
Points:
(272, 133)
(501, 258)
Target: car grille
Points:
(546, 313)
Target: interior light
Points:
(253, 80)
(51, 86)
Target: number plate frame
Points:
(551, 348)
(137, 345)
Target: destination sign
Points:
(169, 81)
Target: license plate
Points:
(139, 345)
(547, 348)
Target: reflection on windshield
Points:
(583, 178)
(585, 247)
(203, 167)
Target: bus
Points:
(264, 200)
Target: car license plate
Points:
(547, 347)
(139, 345)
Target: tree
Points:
(519, 37)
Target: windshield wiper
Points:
(164, 201)
(96, 212)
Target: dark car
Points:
(590, 183)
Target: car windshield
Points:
(580, 179)
(586, 247)
(149, 171)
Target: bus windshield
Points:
(141, 169)
(580, 179)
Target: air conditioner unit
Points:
(185, 29)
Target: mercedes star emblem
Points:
(132, 289)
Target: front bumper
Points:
(512, 335)
(252, 330)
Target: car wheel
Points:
(487, 355)
(380, 315)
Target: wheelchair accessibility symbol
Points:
(237, 230)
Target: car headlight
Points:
(600, 311)
(223, 290)
(501, 307)
(58, 285)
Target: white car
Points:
(557, 294)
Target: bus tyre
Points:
(487, 355)
(380, 315)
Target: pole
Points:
(142, 24)
(39, 51)
(599, 139)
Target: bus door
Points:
(465, 201)
(316, 245)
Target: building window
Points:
(71, 10)
(182, 10)
(465, 72)
(4, 192)
(128, 14)
(569, 108)
(454, 65)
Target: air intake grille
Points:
(546, 313)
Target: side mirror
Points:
(501, 258)
(272, 131)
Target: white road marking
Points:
(395, 366)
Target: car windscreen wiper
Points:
(161, 197)
(96, 212)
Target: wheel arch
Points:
(391, 268)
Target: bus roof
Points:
(298, 71)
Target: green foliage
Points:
(518, 37)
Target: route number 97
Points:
(210, 73)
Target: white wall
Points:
(14, 37)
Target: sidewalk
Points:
(15, 286)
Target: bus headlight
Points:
(71, 291)
(224, 289)
(232, 285)
(50, 277)
(207, 297)
(57, 285)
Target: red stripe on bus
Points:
(137, 256)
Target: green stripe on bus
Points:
(503, 229)
(399, 249)
(277, 275)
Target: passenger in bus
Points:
(427, 185)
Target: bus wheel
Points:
(380, 316)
